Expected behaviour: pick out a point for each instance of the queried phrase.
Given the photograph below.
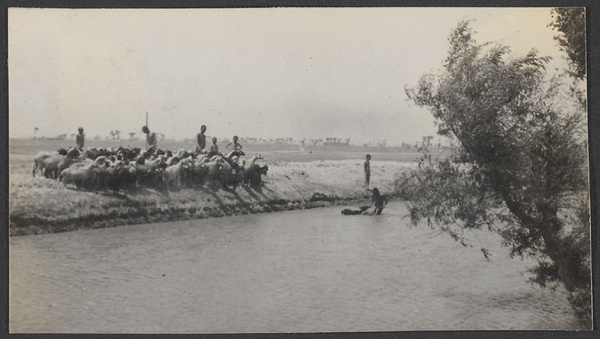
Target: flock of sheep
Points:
(121, 168)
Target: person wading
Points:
(379, 201)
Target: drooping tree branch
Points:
(521, 147)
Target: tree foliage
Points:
(570, 22)
(521, 168)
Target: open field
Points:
(41, 205)
(26, 149)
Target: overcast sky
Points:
(267, 73)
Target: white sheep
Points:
(173, 174)
(79, 174)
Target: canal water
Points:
(300, 271)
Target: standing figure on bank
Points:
(214, 148)
(80, 139)
(367, 166)
(235, 148)
(150, 138)
(201, 140)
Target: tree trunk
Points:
(561, 253)
(569, 270)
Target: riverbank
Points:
(40, 205)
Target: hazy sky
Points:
(267, 73)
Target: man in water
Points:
(80, 139)
(150, 138)
(201, 140)
(379, 201)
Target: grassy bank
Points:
(40, 205)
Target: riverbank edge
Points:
(42, 206)
(133, 213)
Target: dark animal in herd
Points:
(121, 168)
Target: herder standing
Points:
(150, 138)
(201, 140)
(367, 166)
(80, 139)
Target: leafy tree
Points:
(570, 22)
(521, 165)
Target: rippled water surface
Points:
(302, 271)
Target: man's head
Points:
(368, 157)
(214, 140)
(145, 129)
(80, 129)
(203, 128)
(235, 138)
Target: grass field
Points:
(23, 149)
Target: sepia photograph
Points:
(298, 170)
